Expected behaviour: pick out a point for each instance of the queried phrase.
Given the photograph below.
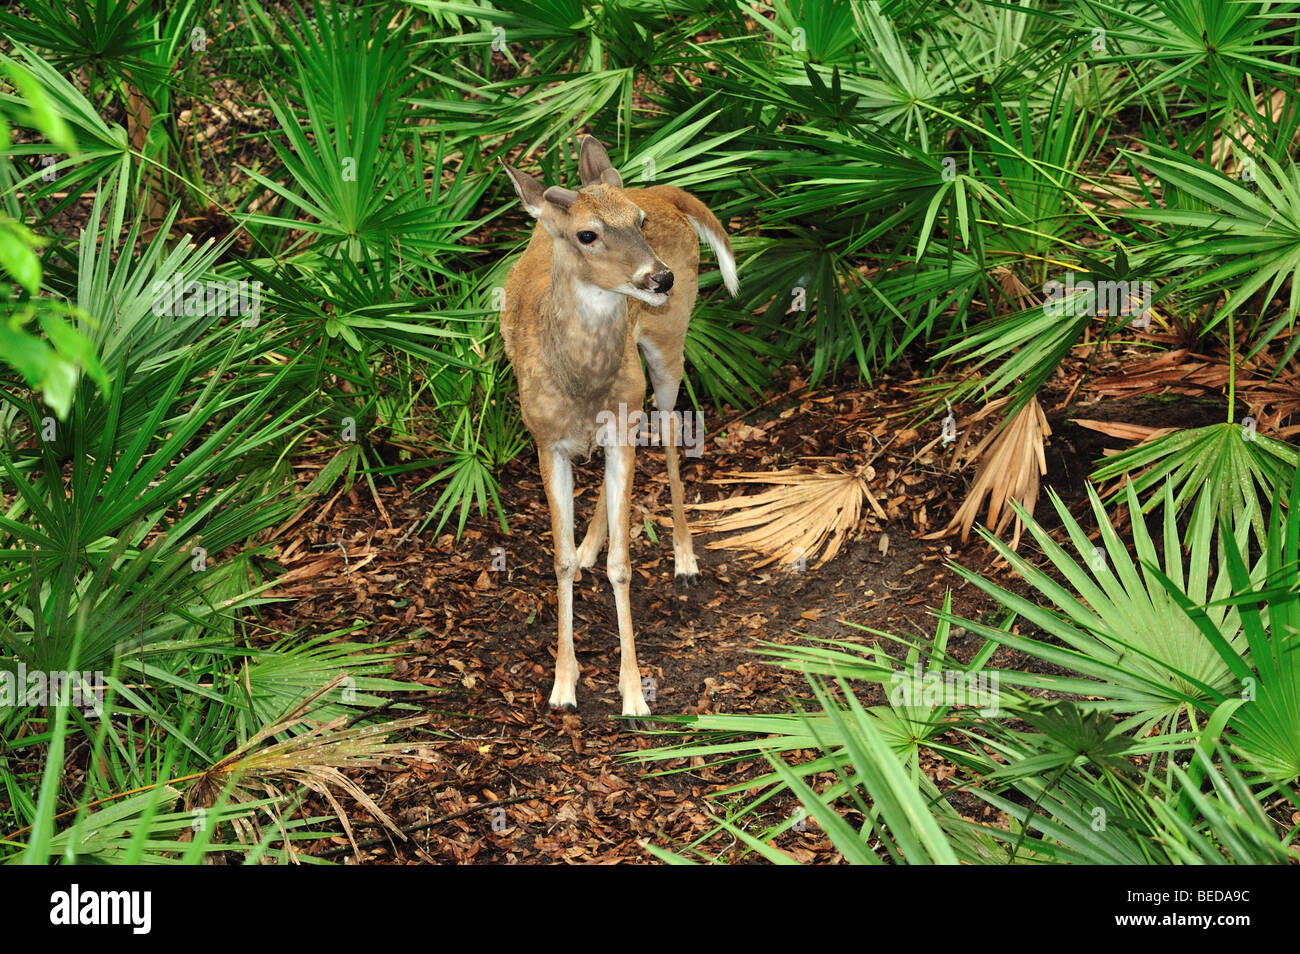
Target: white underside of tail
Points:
(726, 263)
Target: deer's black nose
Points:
(662, 281)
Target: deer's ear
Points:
(530, 190)
(594, 165)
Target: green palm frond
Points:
(99, 150)
(1118, 627)
(1264, 716)
(1240, 237)
(1225, 470)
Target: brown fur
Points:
(573, 341)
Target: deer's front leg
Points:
(619, 463)
(557, 475)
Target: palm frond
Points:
(804, 514)
(1012, 461)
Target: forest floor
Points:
(475, 621)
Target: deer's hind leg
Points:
(665, 367)
(597, 531)
(619, 465)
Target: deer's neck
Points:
(584, 333)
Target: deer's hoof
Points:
(635, 707)
(587, 556)
(685, 566)
(563, 700)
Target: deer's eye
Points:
(586, 238)
(643, 218)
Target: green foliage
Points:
(900, 182)
(131, 553)
(52, 364)
(1190, 724)
(1227, 470)
(1236, 236)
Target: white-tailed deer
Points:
(608, 271)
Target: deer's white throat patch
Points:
(597, 306)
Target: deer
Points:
(609, 278)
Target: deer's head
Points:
(597, 230)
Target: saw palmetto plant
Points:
(804, 515)
(1190, 723)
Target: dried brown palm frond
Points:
(1272, 392)
(802, 514)
(1178, 371)
(1012, 462)
(1013, 288)
(313, 758)
(1124, 430)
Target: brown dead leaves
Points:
(1012, 462)
(802, 514)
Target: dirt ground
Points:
(482, 637)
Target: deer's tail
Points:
(711, 232)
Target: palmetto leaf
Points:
(825, 31)
(355, 187)
(1265, 716)
(906, 825)
(99, 507)
(556, 107)
(340, 59)
(344, 152)
(1233, 827)
(141, 829)
(1206, 47)
(1069, 733)
(102, 149)
(676, 152)
(803, 514)
(1248, 238)
(1222, 469)
(1268, 723)
(312, 758)
(1125, 634)
(1028, 345)
(1011, 463)
(860, 745)
(114, 37)
(732, 365)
